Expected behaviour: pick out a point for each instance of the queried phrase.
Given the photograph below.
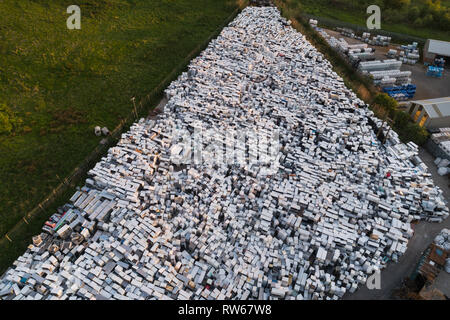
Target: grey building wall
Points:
(430, 123)
(427, 56)
(437, 123)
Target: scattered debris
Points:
(443, 239)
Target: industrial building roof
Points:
(439, 47)
(436, 108)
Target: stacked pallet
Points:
(409, 54)
(402, 92)
(380, 40)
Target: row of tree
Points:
(9, 122)
(430, 14)
(419, 13)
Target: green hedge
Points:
(402, 123)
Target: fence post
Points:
(134, 105)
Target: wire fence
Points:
(332, 23)
(139, 109)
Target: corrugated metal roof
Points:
(436, 108)
(439, 47)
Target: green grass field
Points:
(57, 84)
(355, 13)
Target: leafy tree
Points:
(445, 24)
(428, 19)
(387, 103)
(401, 119)
(414, 132)
(5, 124)
(8, 120)
(414, 13)
(397, 4)
(418, 22)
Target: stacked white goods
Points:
(410, 47)
(445, 145)
(409, 54)
(391, 53)
(362, 56)
(312, 222)
(443, 239)
(410, 58)
(347, 32)
(325, 35)
(409, 61)
(352, 51)
(443, 163)
(380, 41)
(357, 46)
(313, 22)
(401, 77)
(366, 37)
(442, 139)
(340, 45)
(443, 134)
(443, 166)
(387, 82)
(380, 65)
(442, 171)
(360, 52)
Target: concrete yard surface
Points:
(428, 87)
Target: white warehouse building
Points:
(436, 49)
(432, 113)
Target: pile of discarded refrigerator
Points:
(355, 53)
(157, 219)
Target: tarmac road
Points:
(424, 233)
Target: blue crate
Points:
(401, 93)
(435, 71)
